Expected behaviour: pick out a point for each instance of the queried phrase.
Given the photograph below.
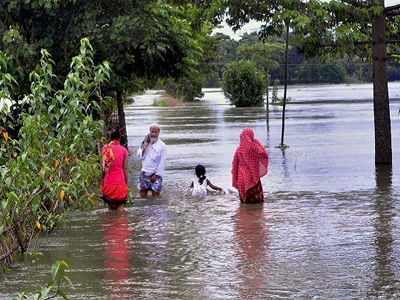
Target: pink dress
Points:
(114, 186)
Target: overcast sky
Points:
(253, 26)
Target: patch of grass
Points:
(167, 100)
(282, 146)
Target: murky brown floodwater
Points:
(329, 230)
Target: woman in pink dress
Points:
(114, 170)
(249, 164)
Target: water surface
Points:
(329, 228)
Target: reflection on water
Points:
(116, 254)
(251, 238)
(154, 236)
(385, 281)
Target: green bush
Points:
(188, 87)
(53, 165)
(243, 84)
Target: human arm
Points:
(214, 187)
(126, 169)
(102, 167)
(234, 171)
(142, 150)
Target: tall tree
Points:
(262, 53)
(367, 29)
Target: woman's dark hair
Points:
(115, 133)
(200, 172)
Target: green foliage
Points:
(53, 165)
(143, 40)
(189, 87)
(212, 80)
(331, 72)
(282, 146)
(275, 98)
(160, 103)
(243, 84)
(190, 83)
(262, 52)
(58, 277)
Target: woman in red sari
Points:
(114, 170)
(249, 164)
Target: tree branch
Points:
(355, 3)
(391, 8)
(393, 13)
(393, 42)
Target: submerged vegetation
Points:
(46, 292)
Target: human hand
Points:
(146, 141)
(153, 178)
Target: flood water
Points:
(329, 229)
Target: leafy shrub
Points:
(53, 165)
(243, 84)
(188, 87)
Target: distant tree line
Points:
(301, 70)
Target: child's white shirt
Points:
(199, 190)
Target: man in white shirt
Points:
(153, 154)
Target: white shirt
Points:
(154, 158)
(199, 190)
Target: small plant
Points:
(275, 92)
(58, 276)
(282, 146)
(275, 99)
(160, 103)
(34, 255)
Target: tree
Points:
(367, 31)
(243, 84)
(143, 40)
(262, 53)
(337, 28)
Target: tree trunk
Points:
(121, 120)
(383, 138)
(286, 82)
(267, 96)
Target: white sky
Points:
(253, 25)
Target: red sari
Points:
(114, 188)
(249, 164)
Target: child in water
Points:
(200, 186)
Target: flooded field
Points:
(329, 229)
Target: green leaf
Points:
(13, 197)
(62, 294)
(54, 269)
(68, 280)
